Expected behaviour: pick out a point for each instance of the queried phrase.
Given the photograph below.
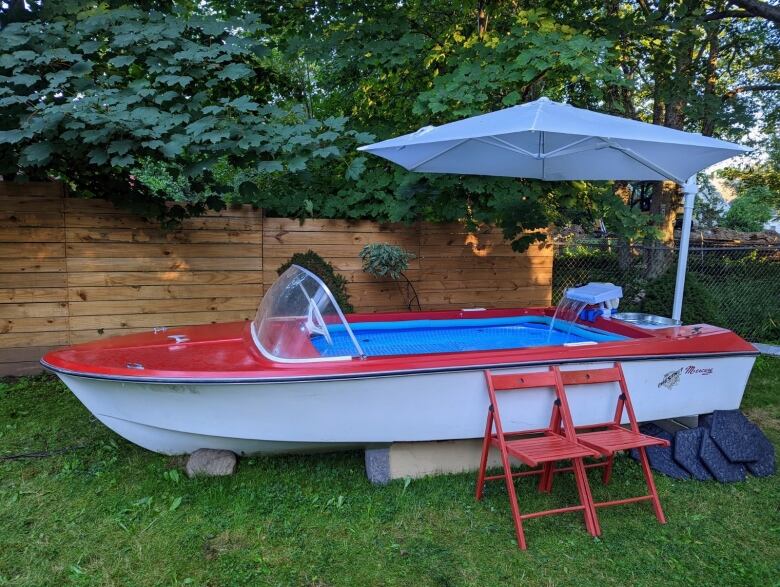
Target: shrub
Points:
(699, 305)
(750, 210)
(336, 283)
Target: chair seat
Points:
(610, 441)
(545, 449)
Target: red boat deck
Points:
(218, 352)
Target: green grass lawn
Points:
(110, 513)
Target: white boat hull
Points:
(308, 416)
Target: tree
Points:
(90, 98)
(750, 210)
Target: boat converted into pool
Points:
(303, 377)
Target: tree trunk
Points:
(667, 195)
(711, 100)
(624, 256)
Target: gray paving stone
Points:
(765, 466)
(736, 436)
(378, 465)
(687, 444)
(660, 457)
(716, 462)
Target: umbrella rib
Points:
(560, 151)
(437, 155)
(502, 144)
(639, 159)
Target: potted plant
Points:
(384, 260)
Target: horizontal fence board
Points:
(23, 266)
(165, 264)
(43, 204)
(148, 235)
(96, 205)
(446, 252)
(518, 296)
(40, 324)
(348, 263)
(31, 219)
(352, 276)
(272, 225)
(152, 250)
(33, 280)
(162, 292)
(33, 294)
(17, 339)
(147, 321)
(117, 221)
(502, 263)
(326, 239)
(130, 278)
(33, 310)
(158, 306)
(32, 235)
(37, 251)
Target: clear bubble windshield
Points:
(297, 320)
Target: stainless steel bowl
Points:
(646, 320)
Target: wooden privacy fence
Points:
(74, 270)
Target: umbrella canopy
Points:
(553, 141)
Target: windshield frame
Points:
(324, 288)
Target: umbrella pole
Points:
(690, 188)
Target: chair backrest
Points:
(612, 374)
(519, 381)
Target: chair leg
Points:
(510, 489)
(483, 459)
(659, 513)
(607, 475)
(586, 499)
(545, 479)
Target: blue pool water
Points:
(447, 336)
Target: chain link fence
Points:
(737, 287)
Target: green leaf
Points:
(10, 137)
(121, 60)
(175, 146)
(23, 79)
(325, 152)
(122, 160)
(234, 71)
(98, 157)
(297, 163)
(243, 104)
(81, 67)
(173, 80)
(37, 154)
(356, 168)
(268, 166)
(175, 504)
(120, 147)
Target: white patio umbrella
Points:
(553, 141)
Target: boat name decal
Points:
(672, 378)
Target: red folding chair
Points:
(612, 436)
(535, 447)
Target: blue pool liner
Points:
(457, 335)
